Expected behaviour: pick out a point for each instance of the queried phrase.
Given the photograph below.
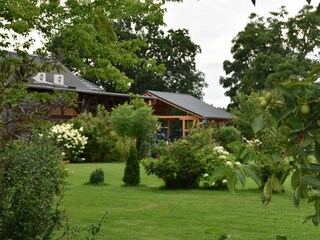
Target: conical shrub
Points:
(132, 171)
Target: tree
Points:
(254, 2)
(126, 50)
(132, 171)
(176, 52)
(298, 126)
(30, 167)
(269, 51)
(134, 120)
(89, 45)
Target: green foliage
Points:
(271, 50)
(179, 73)
(226, 134)
(135, 120)
(182, 163)
(16, 26)
(261, 164)
(251, 119)
(300, 133)
(97, 176)
(177, 167)
(90, 44)
(248, 109)
(132, 171)
(103, 144)
(31, 178)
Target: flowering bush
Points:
(253, 144)
(220, 157)
(264, 165)
(103, 143)
(70, 140)
(226, 171)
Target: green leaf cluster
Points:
(300, 131)
(271, 50)
(103, 144)
(181, 164)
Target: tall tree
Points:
(176, 52)
(269, 51)
(121, 47)
(89, 45)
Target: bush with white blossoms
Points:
(253, 144)
(227, 171)
(221, 157)
(70, 140)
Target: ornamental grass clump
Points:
(70, 140)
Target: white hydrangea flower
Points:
(229, 163)
(205, 175)
(238, 164)
(224, 181)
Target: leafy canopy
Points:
(269, 51)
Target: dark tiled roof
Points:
(193, 105)
(71, 81)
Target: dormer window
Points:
(41, 77)
(58, 79)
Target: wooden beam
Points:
(171, 104)
(193, 118)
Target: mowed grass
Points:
(149, 212)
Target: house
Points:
(169, 107)
(89, 94)
(185, 112)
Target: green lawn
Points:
(148, 212)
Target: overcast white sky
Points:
(212, 24)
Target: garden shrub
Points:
(177, 166)
(188, 163)
(132, 170)
(97, 176)
(226, 134)
(31, 180)
(70, 139)
(103, 144)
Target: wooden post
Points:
(183, 128)
(169, 129)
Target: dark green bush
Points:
(31, 180)
(132, 171)
(226, 135)
(103, 143)
(181, 163)
(97, 176)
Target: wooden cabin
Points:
(185, 112)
